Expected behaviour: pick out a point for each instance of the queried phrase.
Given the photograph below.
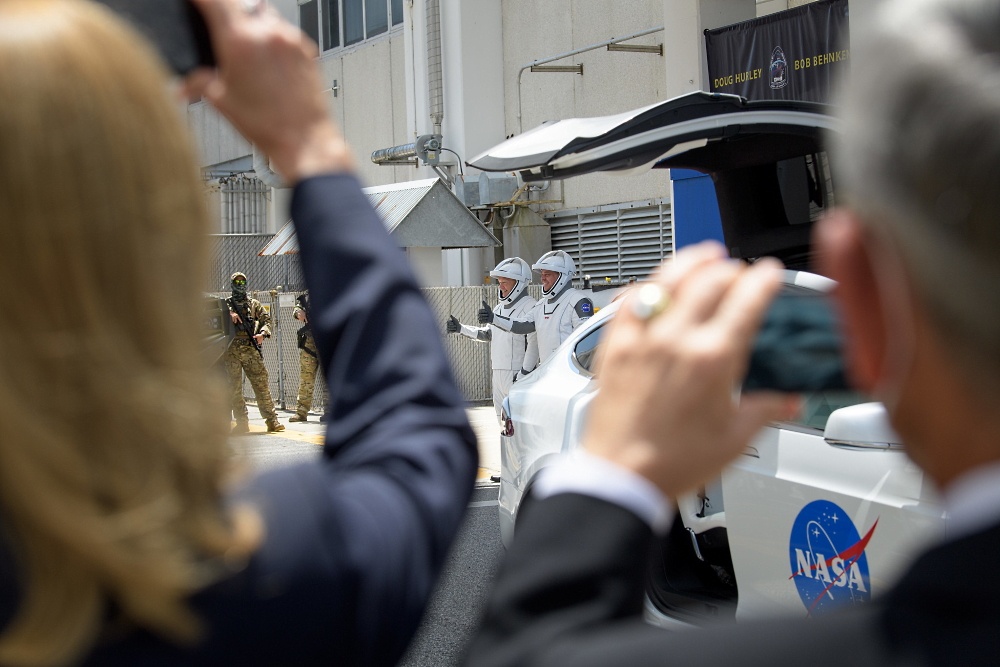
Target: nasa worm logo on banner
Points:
(827, 555)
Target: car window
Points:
(586, 348)
(817, 406)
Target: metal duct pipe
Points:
(435, 78)
(406, 153)
(262, 168)
(427, 148)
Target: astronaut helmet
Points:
(560, 262)
(514, 268)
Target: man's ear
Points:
(845, 255)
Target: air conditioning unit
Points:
(496, 188)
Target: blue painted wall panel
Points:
(695, 209)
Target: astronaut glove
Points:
(485, 314)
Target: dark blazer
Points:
(570, 592)
(355, 540)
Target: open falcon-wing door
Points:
(767, 160)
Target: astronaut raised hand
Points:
(485, 314)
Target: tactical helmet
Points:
(514, 268)
(239, 291)
(560, 262)
(302, 301)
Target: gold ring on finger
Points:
(651, 300)
(252, 7)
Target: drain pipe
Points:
(262, 169)
(435, 77)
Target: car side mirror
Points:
(863, 426)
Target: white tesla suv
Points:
(819, 512)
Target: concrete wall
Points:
(369, 104)
(611, 83)
(427, 265)
(380, 98)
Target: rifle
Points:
(303, 302)
(244, 325)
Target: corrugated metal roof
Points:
(394, 202)
(433, 215)
(283, 243)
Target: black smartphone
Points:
(175, 27)
(799, 347)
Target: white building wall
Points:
(377, 90)
(612, 82)
(427, 266)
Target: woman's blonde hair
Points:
(114, 448)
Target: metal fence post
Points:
(276, 319)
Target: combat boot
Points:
(273, 425)
(300, 417)
(240, 427)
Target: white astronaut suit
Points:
(509, 352)
(555, 316)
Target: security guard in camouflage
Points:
(308, 360)
(244, 356)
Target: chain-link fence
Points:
(281, 353)
(283, 276)
(470, 359)
(238, 252)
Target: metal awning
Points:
(423, 214)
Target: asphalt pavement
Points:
(460, 596)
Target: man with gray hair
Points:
(915, 249)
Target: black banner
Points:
(791, 55)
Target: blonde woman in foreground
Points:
(121, 540)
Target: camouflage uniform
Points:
(242, 357)
(308, 362)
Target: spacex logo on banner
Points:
(827, 556)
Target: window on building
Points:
(336, 23)
(376, 17)
(309, 19)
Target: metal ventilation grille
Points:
(616, 241)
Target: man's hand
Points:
(453, 326)
(485, 314)
(667, 408)
(259, 338)
(235, 318)
(268, 85)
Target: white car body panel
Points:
(549, 423)
(787, 467)
(813, 518)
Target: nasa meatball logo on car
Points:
(828, 561)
